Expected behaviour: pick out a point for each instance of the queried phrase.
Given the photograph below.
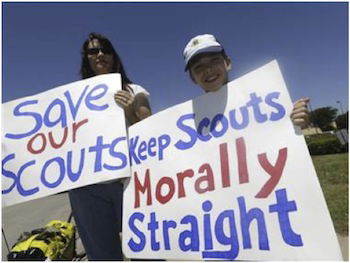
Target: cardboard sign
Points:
(67, 137)
(226, 176)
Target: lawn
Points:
(332, 171)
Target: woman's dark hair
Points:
(87, 72)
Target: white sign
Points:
(226, 176)
(67, 137)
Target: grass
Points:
(332, 171)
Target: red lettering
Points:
(143, 188)
(225, 169)
(52, 141)
(30, 144)
(274, 171)
(164, 199)
(242, 161)
(76, 126)
(180, 179)
(209, 178)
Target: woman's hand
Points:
(300, 113)
(136, 107)
(127, 101)
(124, 98)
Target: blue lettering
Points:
(208, 240)
(89, 97)
(192, 235)
(75, 176)
(62, 116)
(36, 116)
(116, 154)
(275, 116)
(231, 240)
(151, 144)
(246, 219)
(166, 226)
(8, 174)
(163, 142)
(142, 149)
(98, 148)
(182, 145)
(60, 163)
(225, 229)
(254, 102)
(20, 189)
(152, 227)
(74, 108)
(132, 147)
(17, 179)
(203, 123)
(136, 247)
(282, 208)
(245, 118)
(224, 122)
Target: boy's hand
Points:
(300, 113)
(124, 98)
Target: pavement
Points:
(37, 213)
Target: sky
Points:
(41, 44)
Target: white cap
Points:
(201, 44)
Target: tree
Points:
(342, 121)
(323, 117)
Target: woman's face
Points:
(100, 58)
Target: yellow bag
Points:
(56, 241)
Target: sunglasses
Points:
(95, 51)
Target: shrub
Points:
(343, 121)
(325, 144)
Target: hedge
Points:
(325, 144)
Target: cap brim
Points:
(211, 49)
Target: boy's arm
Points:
(300, 113)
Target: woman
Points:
(97, 209)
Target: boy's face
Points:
(210, 70)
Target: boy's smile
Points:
(210, 70)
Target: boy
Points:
(208, 66)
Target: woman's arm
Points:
(136, 107)
(141, 106)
